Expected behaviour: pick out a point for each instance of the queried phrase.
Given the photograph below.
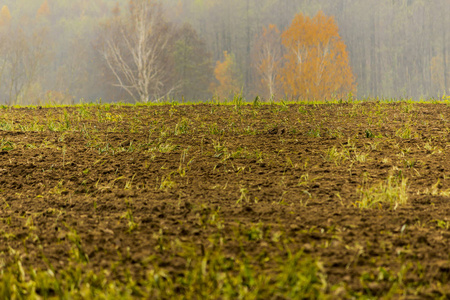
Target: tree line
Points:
(396, 49)
(146, 50)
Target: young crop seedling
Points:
(219, 148)
(372, 146)
(214, 130)
(78, 254)
(406, 132)
(6, 145)
(392, 192)
(435, 190)
(132, 225)
(332, 155)
(129, 183)
(314, 132)
(243, 196)
(166, 183)
(182, 127)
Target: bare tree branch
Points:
(134, 48)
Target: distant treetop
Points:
(5, 16)
(44, 10)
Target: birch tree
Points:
(267, 57)
(135, 48)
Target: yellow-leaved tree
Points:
(229, 79)
(5, 16)
(316, 63)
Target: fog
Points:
(57, 50)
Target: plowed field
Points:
(226, 201)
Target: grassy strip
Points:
(237, 100)
(211, 276)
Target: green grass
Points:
(209, 273)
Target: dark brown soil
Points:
(174, 171)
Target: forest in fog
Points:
(65, 51)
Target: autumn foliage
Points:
(316, 64)
(227, 76)
(44, 10)
(5, 16)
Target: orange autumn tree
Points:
(266, 61)
(316, 63)
(227, 76)
(44, 10)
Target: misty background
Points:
(50, 50)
